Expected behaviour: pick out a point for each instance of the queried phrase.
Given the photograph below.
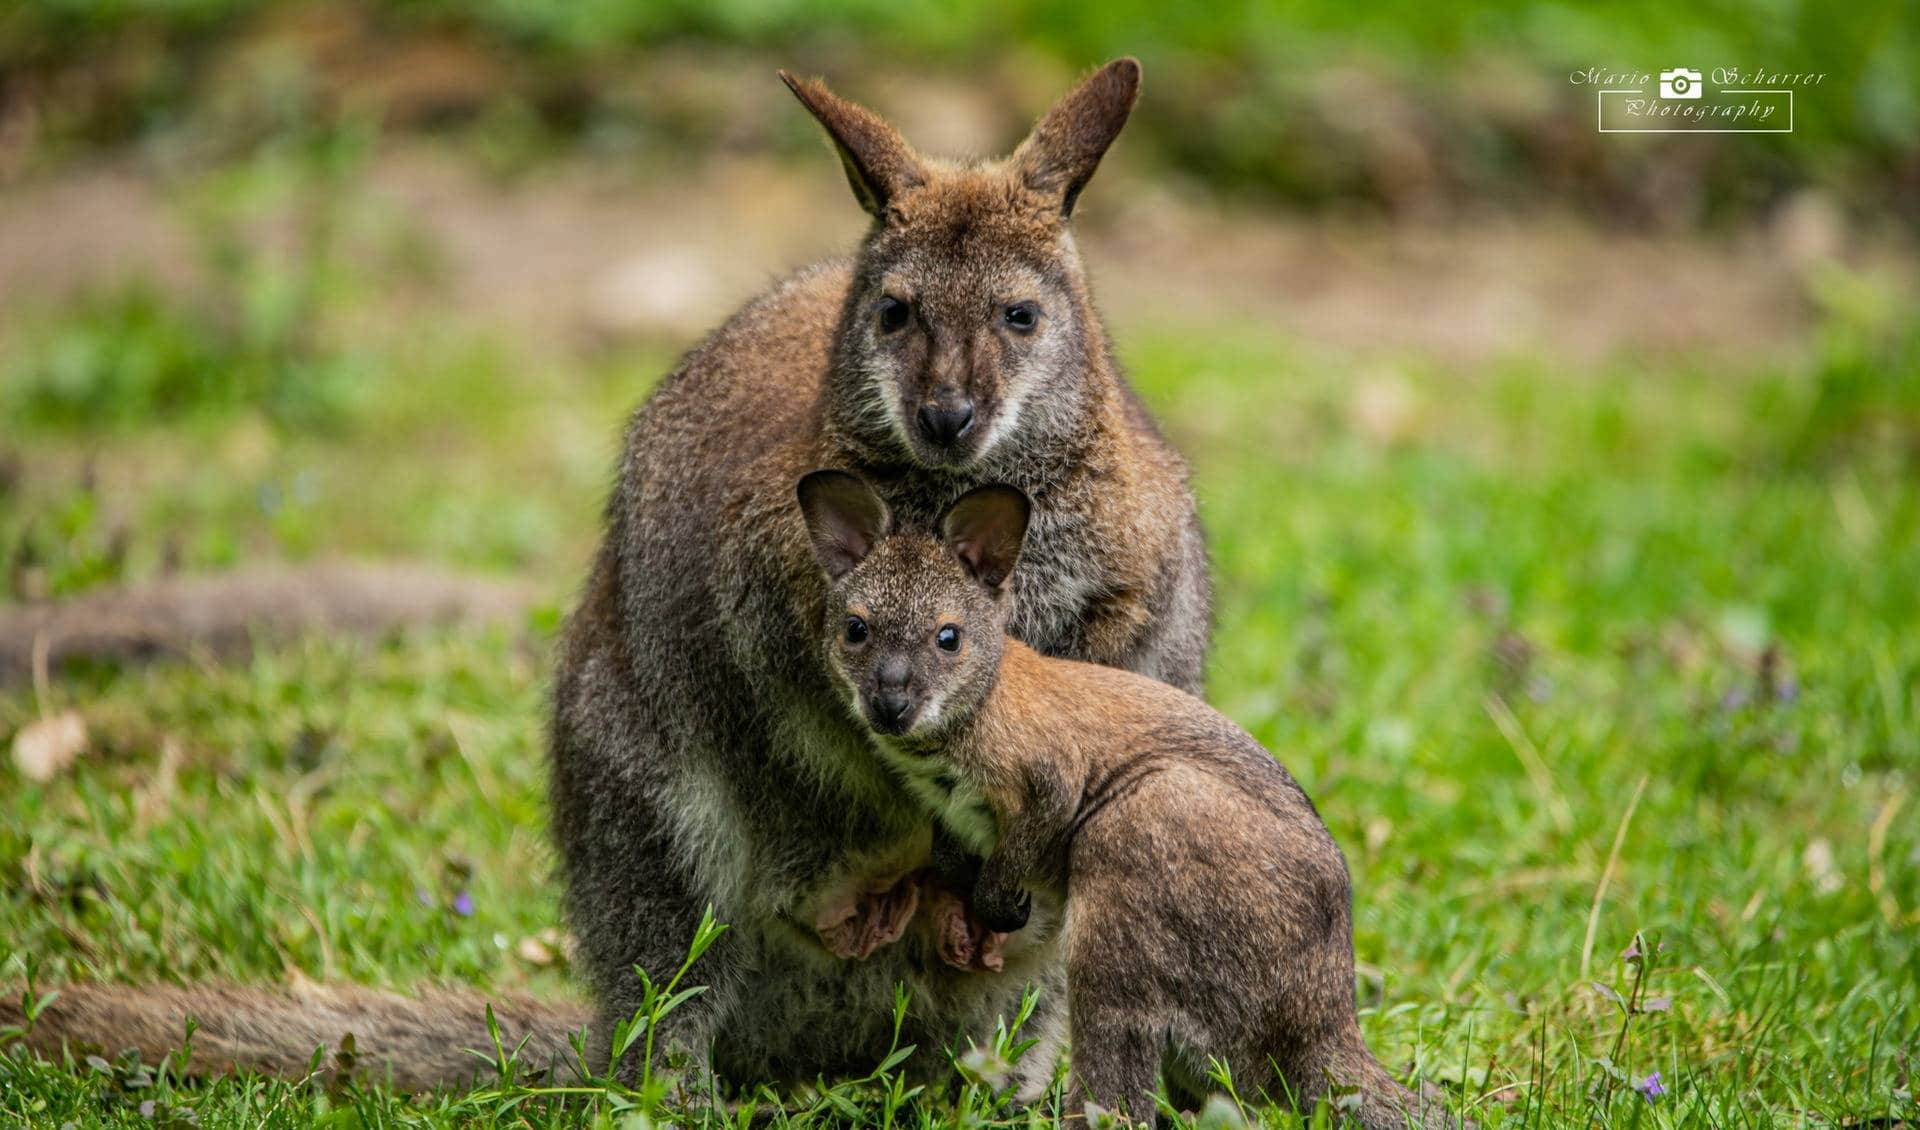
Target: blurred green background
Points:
(1564, 488)
(1391, 105)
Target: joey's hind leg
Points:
(1116, 1060)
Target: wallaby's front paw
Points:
(959, 937)
(865, 921)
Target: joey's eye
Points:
(1022, 316)
(947, 638)
(893, 314)
(856, 630)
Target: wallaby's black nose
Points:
(890, 703)
(890, 706)
(945, 423)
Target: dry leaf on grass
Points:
(542, 949)
(46, 746)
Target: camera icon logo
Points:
(1681, 82)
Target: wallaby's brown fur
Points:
(415, 1043)
(1207, 909)
(700, 756)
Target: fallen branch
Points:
(223, 614)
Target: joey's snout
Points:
(890, 701)
(946, 417)
(889, 711)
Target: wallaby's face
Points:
(961, 314)
(966, 313)
(914, 625)
(913, 640)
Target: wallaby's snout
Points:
(890, 705)
(946, 417)
(958, 370)
(888, 712)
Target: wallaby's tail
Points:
(415, 1043)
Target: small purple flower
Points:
(463, 904)
(1650, 1087)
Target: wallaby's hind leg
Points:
(639, 905)
(1035, 1074)
(1384, 1104)
(1116, 1061)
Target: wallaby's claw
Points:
(1005, 913)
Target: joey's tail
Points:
(414, 1043)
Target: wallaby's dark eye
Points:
(856, 630)
(1022, 316)
(948, 638)
(893, 314)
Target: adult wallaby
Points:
(699, 754)
(1207, 909)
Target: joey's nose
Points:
(944, 423)
(890, 702)
(889, 707)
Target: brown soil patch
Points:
(576, 253)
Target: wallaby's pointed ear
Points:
(880, 164)
(985, 528)
(844, 518)
(1059, 156)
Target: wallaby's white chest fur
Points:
(954, 800)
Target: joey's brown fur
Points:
(1207, 911)
(700, 756)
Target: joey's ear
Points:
(984, 528)
(844, 518)
(880, 164)
(1059, 156)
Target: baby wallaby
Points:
(1207, 908)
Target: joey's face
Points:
(913, 640)
(963, 320)
(915, 624)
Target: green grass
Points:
(1566, 658)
